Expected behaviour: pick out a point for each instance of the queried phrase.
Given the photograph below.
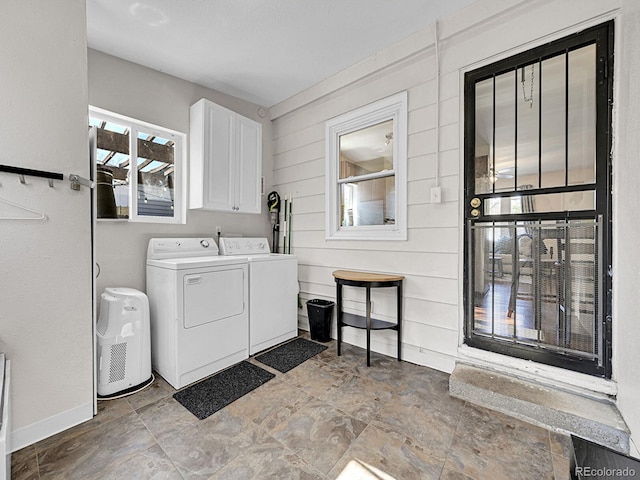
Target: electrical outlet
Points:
(436, 195)
(218, 229)
(371, 307)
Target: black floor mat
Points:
(216, 392)
(291, 354)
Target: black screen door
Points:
(538, 205)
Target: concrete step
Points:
(553, 408)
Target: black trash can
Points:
(320, 314)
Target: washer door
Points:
(213, 295)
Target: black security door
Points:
(538, 204)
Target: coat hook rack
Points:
(21, 172)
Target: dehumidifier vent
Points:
(118, 364)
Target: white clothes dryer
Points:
(273, 291)
(199, 308)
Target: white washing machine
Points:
(199, 308)
(273, 291)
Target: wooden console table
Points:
(368, 281)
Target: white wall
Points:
(144, 94)
(431, 258)
(626, 228)
(45, 266)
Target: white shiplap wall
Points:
(431, 258)
(428, 259)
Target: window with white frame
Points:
(156, 192)
(366, 163)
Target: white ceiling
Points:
(263, 51)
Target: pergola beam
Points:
(119, 142)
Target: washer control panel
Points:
(244, 246)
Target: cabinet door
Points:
(219, 176)
(226, 160)
(248, 166)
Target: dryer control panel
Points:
(161, 248)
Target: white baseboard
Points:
(410, 353)
(25, 436)
(5, 443)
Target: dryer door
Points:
(213, 295)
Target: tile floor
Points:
(331, 417)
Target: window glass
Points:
(505, 127)
(155, 187)
(366, 172)
(368, 150)
(112, 173)
(484, 136)
(544, 202)
(156, 158)
(527, 98)
(533, 132)
(553, 138)
(582, 116)
(368, 202)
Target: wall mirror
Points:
(366, 171)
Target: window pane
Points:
(553, 122)
(528, 104)
(112, 170)
(582, 115)
(365, 151)
(542, 203)
(368, 202)
(505, 134)
(484, 135)
(534, 283)
(155, 176)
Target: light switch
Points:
(436, 195)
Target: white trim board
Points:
(569, 380)
(35, 432)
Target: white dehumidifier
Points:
(124, 342)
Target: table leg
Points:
(399, 300)
(368, 326)
(339, 313)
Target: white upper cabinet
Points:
(225, 160)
